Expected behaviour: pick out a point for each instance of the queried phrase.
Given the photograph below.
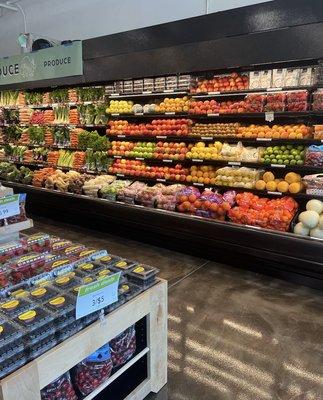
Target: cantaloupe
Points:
(271, 186)
(260, 185)
(292, 177)
(314, 205)
(295, 187)
(283, 187)
(309, 218)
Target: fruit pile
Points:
(139, 168)
(132, 149)
(204, 151)
(60, 389)
(311, 221)
(217, 129)
(274, 214)
(204, 107)
(318, 100)
(177, 104)
(222, 83)
(172, 127)
(123, 346)
(237, 177)
(291, 183)
(284, 155)
(207, 204)
(170, 151)
(167, 198)
(120, 107)
(204, 174)
(300, 131)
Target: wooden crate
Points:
(26, 382)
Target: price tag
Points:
(120, 175)
(115, 114)
(161, 180)
(278, 89)
(278, 165)
(9, 206)
(168, 91)
(116, 156)
(97, 295)
(269, 116)
(167, 161)
(139, 158)
(213, 115)
(196, 160)
(161, 137)
(170, 113)
(114, 94)
(234, 163)
(206, 137)
(121, 136)
(262, 139)
(147, 92)
(274, 193)
(139, 113)
(212, 93)
(198, 184)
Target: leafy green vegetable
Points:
(59, 96)
(13, 133)
(34, 98)
(36, 134)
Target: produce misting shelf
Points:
(277, 253)
(26, 382)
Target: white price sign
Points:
(9, 206)
(97, 295)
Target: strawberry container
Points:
(72, 250)
(56, 262)
(60, 389)
(38, 243)
(123, 347)
(93, 371)
(4, 277)
(86, 269)
(41, 295)
(68, 331)
(11, 250)
(26, 266)
(57, 246)
(107, 261)
(9, 366)
(66, 281)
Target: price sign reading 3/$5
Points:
(97, 295)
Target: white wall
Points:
(82, 19)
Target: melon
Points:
(315, 205)
(317, 233)
(309, 218)
(301, 229)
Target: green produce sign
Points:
(55, 62)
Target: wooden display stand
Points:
(11, 232)
(26, 382)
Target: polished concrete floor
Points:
(233, 335)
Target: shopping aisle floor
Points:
(233, 335)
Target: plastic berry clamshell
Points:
(73, 249)
(42, 294)
(4, 277)
(86, 269)
(21, 294)
(58, 246)
(122, 265)
(56, 263)
(63, 309)
(10, 340)
(13, 307)
(107, 260)
(38, 243)
(143, 275)
(9, 366)
(25, 267)
(123, 347)
(129, 290)
(66, 281)
(37, 323)
(40, 348)
(11, 250)
(68, 331)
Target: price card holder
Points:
(97, 295)
(9, 206)
(269, 116)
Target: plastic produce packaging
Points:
(63, 309)
(12, 364)
(314, 184)
(66, 281)
(129, 193)
(10, 250)
(10, 340)
(60, 389)
(318, 100)
(40, 348)
(37, 324)
(143, 275)
(26, 266)
(42, 294)
(68, 331)
(4, 277)
(12, 307)
(123, 346)
(93, 371)
(314, 156)
(38, 243)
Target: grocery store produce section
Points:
(40, 277)
(241, 147)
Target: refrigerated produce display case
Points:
(223, 159)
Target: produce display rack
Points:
(26, 382)
(222, 43)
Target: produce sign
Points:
(97, 295)
(9, 206)
(55, 62)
